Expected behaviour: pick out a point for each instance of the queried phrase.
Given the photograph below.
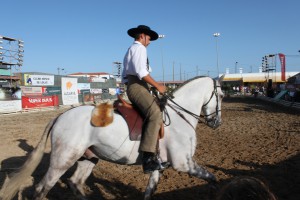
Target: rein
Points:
(198, 117)
(180, 114)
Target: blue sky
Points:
(89, 35)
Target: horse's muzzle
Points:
(213, 122)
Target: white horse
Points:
(73, 138)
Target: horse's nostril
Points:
(213, 123)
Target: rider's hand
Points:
(161, 88)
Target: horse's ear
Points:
(221, 79)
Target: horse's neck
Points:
(191, 97)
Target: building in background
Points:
(11, 58)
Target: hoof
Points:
(77, 190)
(211, 179)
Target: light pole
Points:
(216, 35)
(235, 70)
(162, 58)
(59, 69)
(117, 69)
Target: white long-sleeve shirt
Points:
(135, 62)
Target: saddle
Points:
(133, 118)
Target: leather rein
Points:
(198, 117)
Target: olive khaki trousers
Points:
(138, 93)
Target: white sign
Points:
(98, 79)
(112, 91)
(69, 91)
(96, 91)
(84, 86)
(10, 106)
(27, 91)
(38, 80)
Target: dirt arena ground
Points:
(256, 139)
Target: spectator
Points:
(245, 188)
(292, 95)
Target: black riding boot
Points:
(150, 162)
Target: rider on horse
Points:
(136, 74)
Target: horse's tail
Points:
(15, 180)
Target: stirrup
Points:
(163, 165)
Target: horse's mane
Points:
(186, 82)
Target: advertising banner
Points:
(38, 80)
(97, 98)
(112, 91)
(105, 90)
(69, 91)
(282, 62)
(39, 101)
(84, 86)
(10, 106)
(96, 90)
(31, 91)
(4, 72)
(97, 79)
(87, 97)
(53, 90)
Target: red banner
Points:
(39, 101)
(282, 61)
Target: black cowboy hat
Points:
(143, 29)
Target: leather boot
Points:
(150, 162)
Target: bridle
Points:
(216, 113)
(210, 121)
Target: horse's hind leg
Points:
(61, 160)
(83, 171)
(49, 180)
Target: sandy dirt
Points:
(256, 138)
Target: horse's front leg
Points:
(152, 184)
(187, 164)
(200, 172)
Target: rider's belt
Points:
(134, 79)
